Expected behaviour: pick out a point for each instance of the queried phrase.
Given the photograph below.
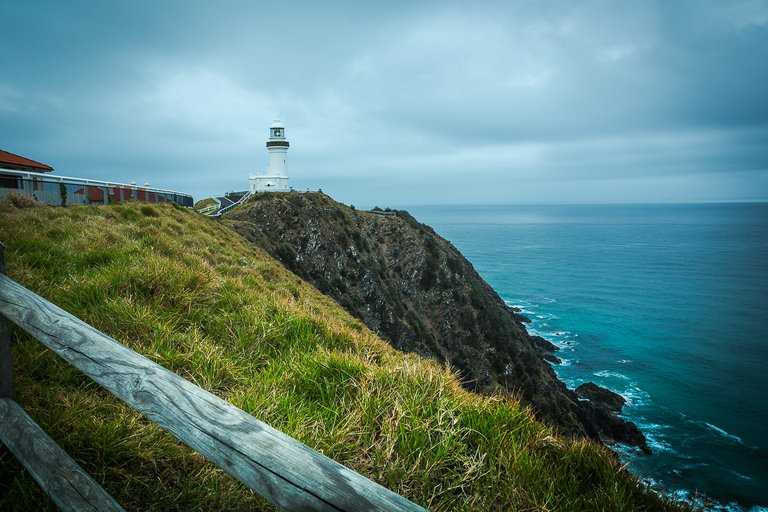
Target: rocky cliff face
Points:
(418, 292)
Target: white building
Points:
(275, 179)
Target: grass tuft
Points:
(16, 200)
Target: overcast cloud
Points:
(396, 104)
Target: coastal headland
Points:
(196, 297)
(417, 291)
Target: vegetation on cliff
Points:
(413, 288)
(194, 296)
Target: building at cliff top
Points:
(23, 176)
(20, 163)
(275, 179)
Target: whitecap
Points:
(722, 432)
(694, 465)
(608, 374)
(686, 496)
(520, 304)
(635, 396)
(743, 477)
(656, 443)
(651, 427)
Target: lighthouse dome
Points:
(277, 124)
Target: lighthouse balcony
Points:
(277, 143)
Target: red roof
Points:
(19, 163)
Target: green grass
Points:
(204, 203)
(195, 297)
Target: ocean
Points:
(664, 304)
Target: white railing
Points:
(55, 178)
(33, 184)
(211, 208)
(227, 208)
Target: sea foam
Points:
(722, 432)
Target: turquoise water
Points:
(665, 304)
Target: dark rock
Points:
(552, 358)
(601, 396)
(628, 433)
(610, 427)
(417, 291)
(544, 344)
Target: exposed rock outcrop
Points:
(418, 292)
(543, 344)
(601, 396)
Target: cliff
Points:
(417, 291)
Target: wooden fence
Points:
(280, 468)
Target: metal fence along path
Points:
(57, 190)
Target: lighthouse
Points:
(275, 179)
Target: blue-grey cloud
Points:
(398, 103)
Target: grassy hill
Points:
(195, 297)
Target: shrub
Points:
(63, 192)
(16, 200)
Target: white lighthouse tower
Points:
(275, 179)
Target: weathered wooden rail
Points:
(283, 470)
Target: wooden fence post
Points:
(7, 389)
(70, 488)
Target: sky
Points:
(396, 103)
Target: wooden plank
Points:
(7, 388)
(62, 478)
(283, 470)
